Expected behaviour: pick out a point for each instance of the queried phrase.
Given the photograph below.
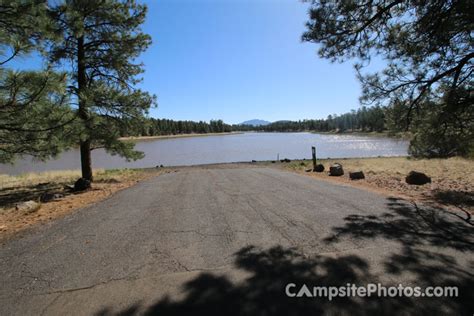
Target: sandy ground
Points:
(23, 189)
(452, 179)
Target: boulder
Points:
(357, 175)
(68, 188)
(319, 168)
(82, 184)
(28, 206)
(417, 178)
(47, 197)
(336, 170)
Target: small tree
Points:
(101, 40)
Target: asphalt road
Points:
(227, 240)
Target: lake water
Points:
(225, 148)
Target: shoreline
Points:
(384, 134)
(451, 187)
(139, 138)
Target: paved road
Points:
(227, 240)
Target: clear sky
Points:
(240, 59)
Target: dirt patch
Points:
(452, 179)
(106, 184)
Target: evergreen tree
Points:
(428, 48)
(34, 108)
(101, 40)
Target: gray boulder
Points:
(336, 170)
(28, 206)
(417, 178)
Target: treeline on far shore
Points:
(365, 119)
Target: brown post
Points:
(313, 149)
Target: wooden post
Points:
(313, 150)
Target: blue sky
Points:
(238, 60)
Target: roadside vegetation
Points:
(84, 93)
(15, 190)
(452, 179)
(427, 83)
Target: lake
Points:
(225, 148)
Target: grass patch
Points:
(65, 176)
(452, 179)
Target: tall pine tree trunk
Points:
(86, 162)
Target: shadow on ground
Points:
(421, 233)
(9, 197)
(464, 200)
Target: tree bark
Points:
(86, 161)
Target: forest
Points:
(365, 119)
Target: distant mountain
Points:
(255, 122)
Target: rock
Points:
(47, 197)
(417, 178)
(82, 184)
(357, 175)
(319, 168)
(68, 187)
(336, 170)
(285, 160)
(28, 206)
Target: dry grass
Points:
(64, 176)
(452, 168)
(17, 189)
(452, 179)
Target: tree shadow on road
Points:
(429, 238)
(270, 270)
(263, 292)
(411, 225)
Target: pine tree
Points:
(429, 52)
(34, 111)
(101, 40)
